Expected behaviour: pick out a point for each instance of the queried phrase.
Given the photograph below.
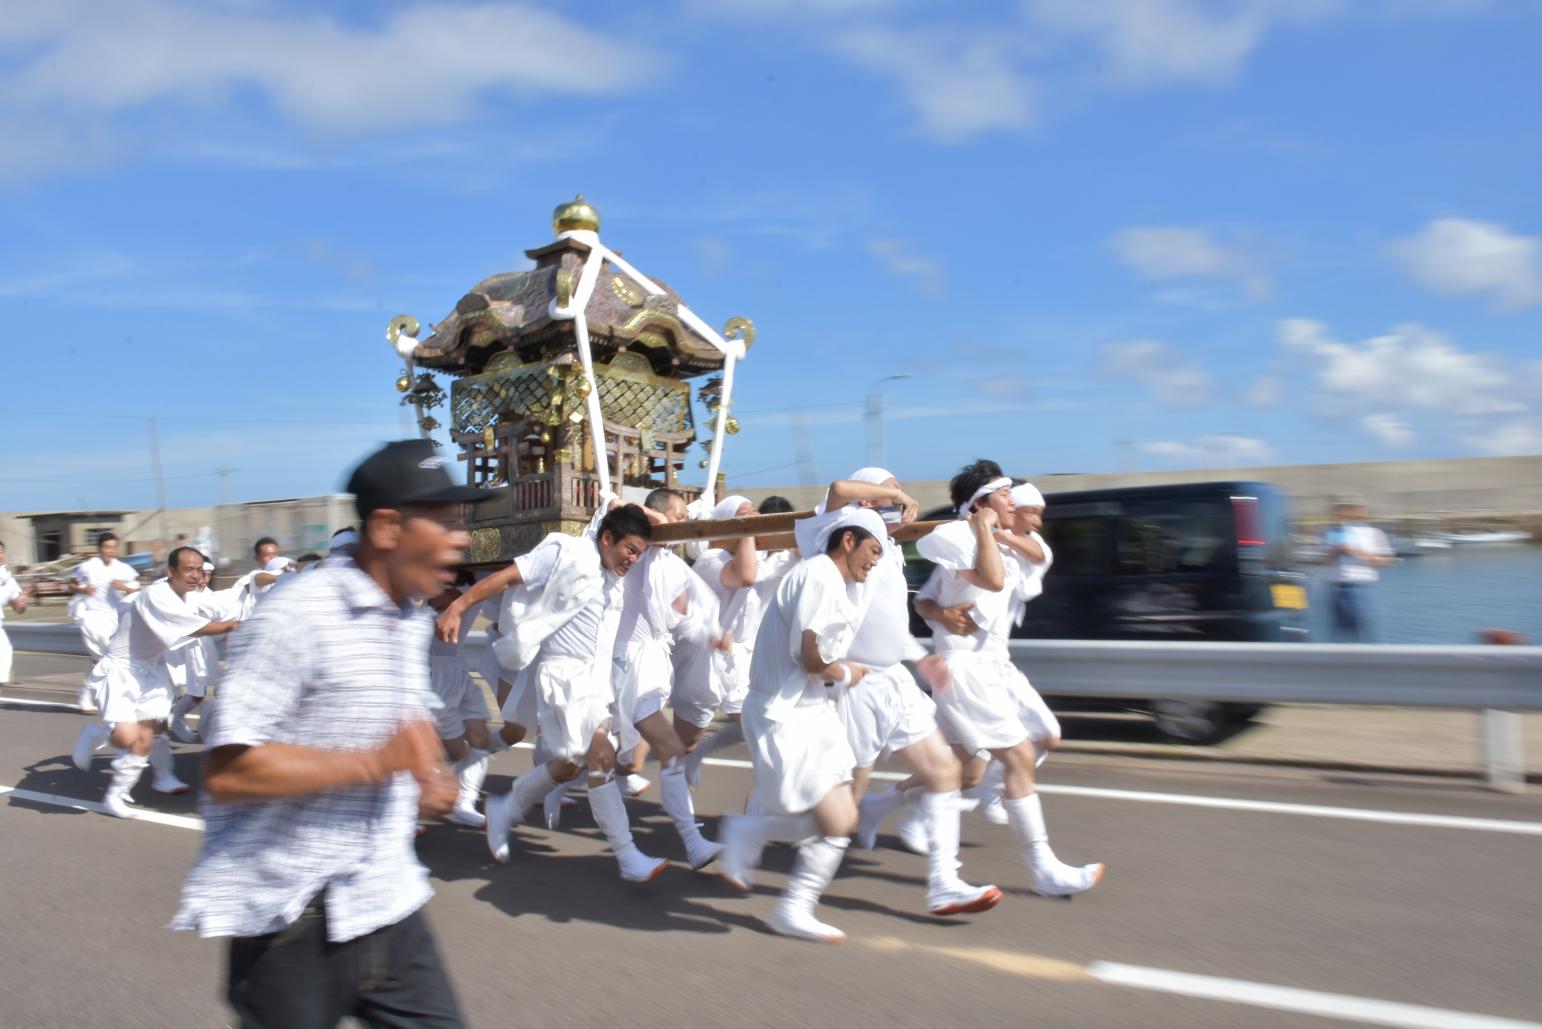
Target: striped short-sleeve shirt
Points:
(331, 663)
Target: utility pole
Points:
(160, 480)
(873, 416)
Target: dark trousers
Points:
(295, 979)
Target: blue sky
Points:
(1096, 234)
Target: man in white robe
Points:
(890, 714)
(133, 685)
(14, 597)
(657, 607)
(100, 587)
(981, 712)
(716, 681)
(801, 759)
(561, 604)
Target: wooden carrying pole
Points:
(771, 532)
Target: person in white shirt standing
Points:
(1355, 552)
(133, 684)
(14, 597)
(100, 588)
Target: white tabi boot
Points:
(1051, 876)
(92, 738)
(676, 795)
(946, 893)
(126, 770)
(179, 729)
(743, 837)
(911, 828)
(86, 698)
(553, 803)
(817, 862)
(988, 792)
(470, 771)
(164, 769)
(632, 784)
(610, 814)
(505, 809)
(725, 737)
(874, 807)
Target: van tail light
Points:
(1250, 530)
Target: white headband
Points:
(986, 490)
(849, 517)
(1027, 495)
(728, 507)
(872, 476)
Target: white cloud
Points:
(1172, 379)
(903, 262)
(1410, 368)
(1215, 450)
(1520, 436)
(1461, 256)
(1155, 41)
(1389, 428)
(960, 85)
(1264, 391)
(1165, 252)
(86, 63)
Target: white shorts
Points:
(885, 712)
(96, 629)
(459, 694)
(519, 707)
(643, 680)
(572, 704)
(695, 698)
(5, 655)
(732, 672)
(138, 691)
(1036, 715)
(797, 760)
(982, 707)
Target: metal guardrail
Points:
(1495, 680)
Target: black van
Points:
(1197, 561)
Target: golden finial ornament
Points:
(740, 327)
(575, 214)
(582, 389)
(731, 426)
(401, 325)
(403, 384)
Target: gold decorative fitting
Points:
(403, 384)
(575, 214)
(484, 547)
(401, 325)
(625, 291)
(583, 389)
(731, 426)
(488, 438)
(564, 287)
(703, 463)
(740, 328)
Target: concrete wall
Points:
(1475, 488)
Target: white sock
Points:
(675, 795)
(530, 789)
(725, 737)
(818, 861)
(940, 811)
(161, 761)
(1026, 817)
(470, 771)
(126, 770)
(610, 814)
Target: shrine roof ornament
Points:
(585, 295)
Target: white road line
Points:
(1287, 998)
(29, 702)
(1351, 814)
(76, 804)
(1309, 810)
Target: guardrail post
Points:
(1504, 754)
(1504, 751)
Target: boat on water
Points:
(1490, 536)
(1432, 543)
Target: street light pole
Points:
(873, 417)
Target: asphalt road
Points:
(1219, 873)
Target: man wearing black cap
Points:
(322, 755)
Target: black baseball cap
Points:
(408, 471)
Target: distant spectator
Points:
(1355, 551)
(14, 597)
(265, 550)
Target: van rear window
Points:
(1156, 537)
